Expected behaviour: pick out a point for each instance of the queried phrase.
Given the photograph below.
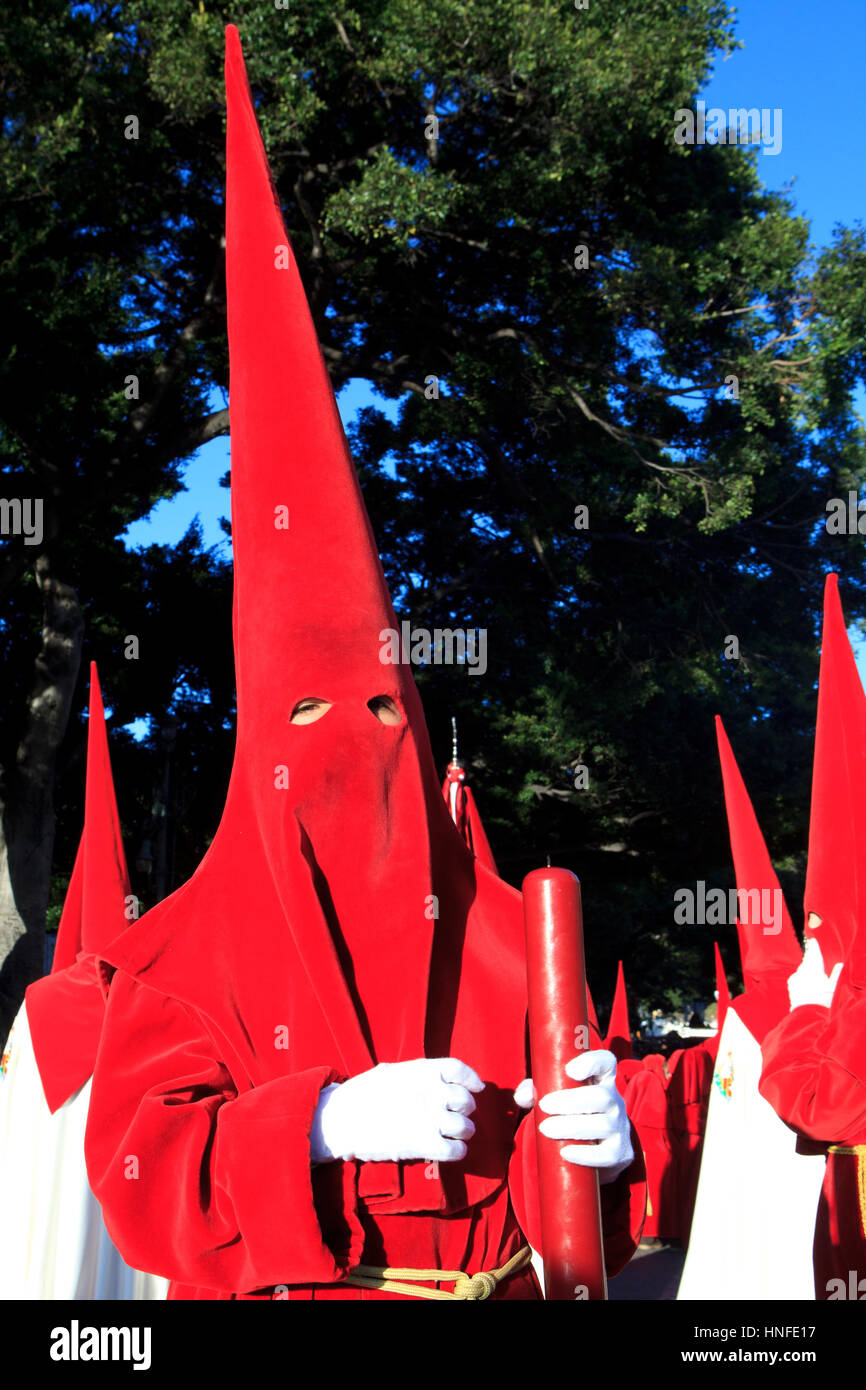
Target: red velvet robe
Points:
(206, 1178)
(646, 1102)
(688, 1097)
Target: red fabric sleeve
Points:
(623, 1203)
(814, 1072)
(198, 1183)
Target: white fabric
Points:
(757, 1199)
(809, 984)
(54, 1241)
(398, 1110)
(587, 1113)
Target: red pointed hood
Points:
(310, 610)
(95, 901)
(464, 813)
(724, 994)
(723, 999)
(769, 950)
(618, 1040)
(836, 870)
(65, 1009)
(337, 908)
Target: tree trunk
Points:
(27, 805)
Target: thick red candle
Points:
(571, 1234)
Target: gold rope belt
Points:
(857, 1151)
(467, 1287)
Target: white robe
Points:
(54, 1241)
(757, 1199)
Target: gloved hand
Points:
(587, 1112)
(809, 984)
(398, 1110)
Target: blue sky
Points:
(205, 499)
(808, 60)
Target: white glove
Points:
(594, 1112)
(809, 984)
(398, 1110)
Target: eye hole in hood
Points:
(386, 710)
(308, 710)
(313, 707)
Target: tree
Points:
(106, 289)
(497, 228)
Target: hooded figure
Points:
(55, 1245)
(757, 1193)
(337, 923)
(618, 1039)
(814, 1071)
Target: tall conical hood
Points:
(94, 908)
(618, 1040)
(65, 1009)
(722, 991)
(337, 906)
(311, 612)
(836, 870)
(768, 943)
(769, 950)
(307, 571)
(723, 999)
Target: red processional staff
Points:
(571, 1232)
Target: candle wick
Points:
(548, 861)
